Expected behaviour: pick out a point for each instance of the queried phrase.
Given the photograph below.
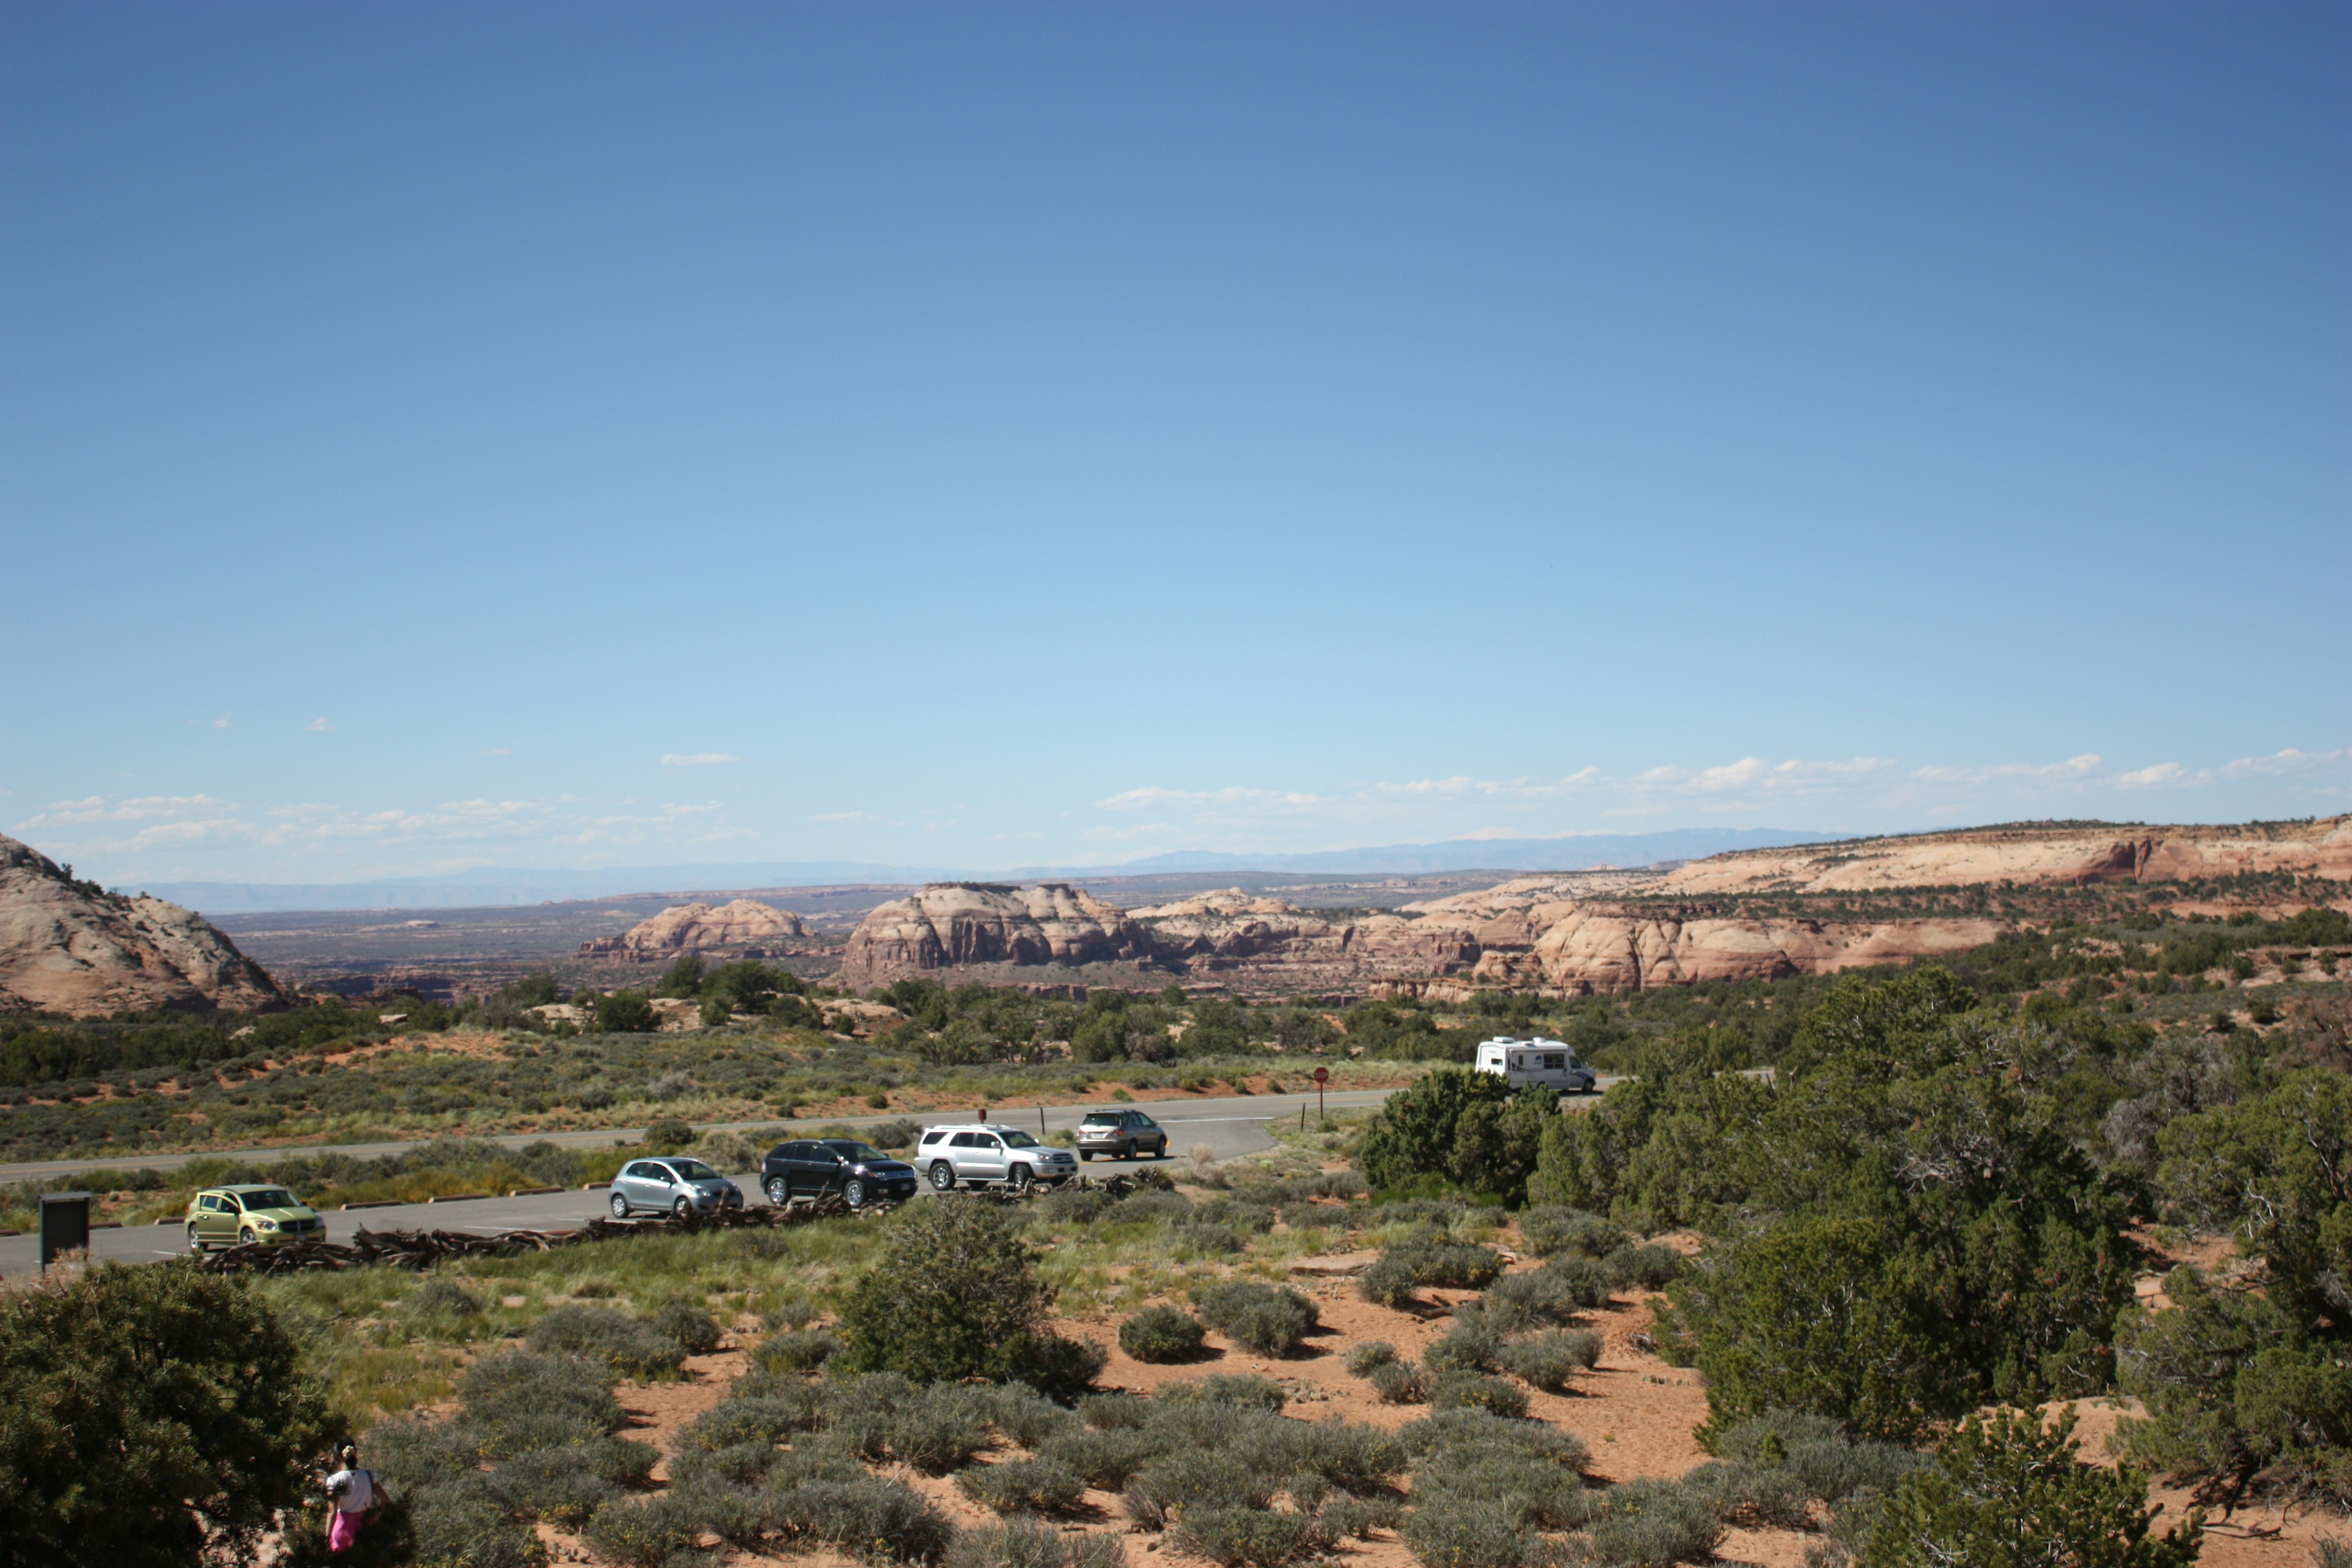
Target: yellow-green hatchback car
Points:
(225, 1216)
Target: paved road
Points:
(1229, 1127)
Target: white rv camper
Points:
(1551, 1064)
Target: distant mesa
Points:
(745, 928)
(1596, 932)
(70, 947)
(958, 924)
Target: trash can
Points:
(65, 1224)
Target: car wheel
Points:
(1160, 1150)
(195, 1242)
(620, 1206)
(1086, 1154)
(244, 1239)
(681, 1211)
(1021, 1178)
(778, 1194)
(943, 1176)
(853, 1193)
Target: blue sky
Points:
(438, 435)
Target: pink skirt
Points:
(342, 1531)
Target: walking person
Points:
(353, 1494)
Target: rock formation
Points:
(1582, 933)
(956, 923)
(2030, 854)
(746, 927)
(70, 947)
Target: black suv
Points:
(811, 1167)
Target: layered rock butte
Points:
(746, 926)
(66, 947)
(1579, 933)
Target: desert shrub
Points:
(439, 1298)
(1016, 1543)
(1387, 1282)
(1251, 1537)
(1398, 1383)
(1108, 1460)
(1474, 1532)
(1247, 1391)
(1023, 1486)
(1270, 1320)
(1547, 1230)
(649, 1532)
(602, 1335)
(1161, 1335)
(1401, 1270)
(626, 1013)
(515, 1402)
(1468, 1390)
(956, 1294)
(1444, 1430)
(2331, 1552)
(1470, 1345)
(1654, 1524)
(1540, 1298)
(569, 1484)
(1193, 1477)
(1467, 1127)
(767, 1419)
(1756, 1496)
(1362, 1358)
(688, 1327)
(875, 1520)
(2008, 1490)
(941, 1429)
(146, 1412)
(797, 1350)
(1651, 1268)
(1535, 1493)
(1025, 1416)
(1357, 1459)
(1206, 1240)
(1827, 1463)
(1547, 1361)
(1114, 1412)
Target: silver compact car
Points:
(672, 1185)
(981, 1153)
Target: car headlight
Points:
(270, 1225)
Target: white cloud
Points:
(844, 816)
(317, 725)
(223, 722)
(2085, 766)
(1153, 798)
(696, 759)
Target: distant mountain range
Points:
(494, 886)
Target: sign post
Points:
(1322, 1076)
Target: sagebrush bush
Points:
(1112, 1411)
(1654, 1524)
(797, 1350)
(515, 1402)
(1108, 1460)
(1467, 1390)
(1189, 1478)
(1474, 1532)
(1243, 1390)
(651, 1533)
(1206, 1240)
(439, 1297)
(600, 1333)
(1362, 1358)
(1466, 1428)
(1548, 1360)
(1251, 1537)
(1650, 1267)
(1754, 1495)
(1023, 1486)
(1828, 1464)
(687, 1326)
(1016, 1543)
(1468, 1346)
(941, 1429)
(1026, 1416)
(1547, 1230)
(1162, 1334)
(1357, 1459)
(1271, 1321)
(871, 1519)
(1398, 1383)
(1542, 1298)
(1402, 1269)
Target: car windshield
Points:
(1109, 1117)
(1020, 1141)
(693, 1171)
(850, 1149)
(268, 1198)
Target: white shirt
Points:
(358, 1495)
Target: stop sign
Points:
(1322, 1075)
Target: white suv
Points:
(979, 1153)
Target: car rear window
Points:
(1103, 1118)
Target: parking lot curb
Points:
(458, 1197)
(375, 1204)
(531, 1192)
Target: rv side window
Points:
(1555, 1062)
